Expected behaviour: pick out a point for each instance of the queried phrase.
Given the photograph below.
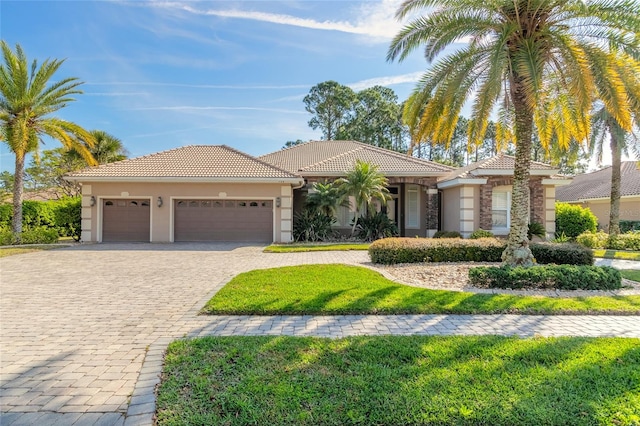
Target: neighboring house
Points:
(216, 193)
(478, 196)
(593, 190)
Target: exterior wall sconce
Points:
(159, 201)
(92, 201)
(278, 201)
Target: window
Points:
(413, 207)
(500, 203)
(345, 214)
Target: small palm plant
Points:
(365, 184)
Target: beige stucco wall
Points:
(451, 209)
(629, 210)
(162, 217)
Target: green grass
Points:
(342, 289)
(294, 248)
(12, 251)
(616, 254)
(630, 274)
(401, 380)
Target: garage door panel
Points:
(126, 220)
(223, 220)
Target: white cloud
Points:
(387, 80)
(372, 19)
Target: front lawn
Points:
(616, 254)
(11, 251)
(294, 248)
(631, 274)
(400, 380)
(342, 289)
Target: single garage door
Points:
(125, 220)
(223, 220)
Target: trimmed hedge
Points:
(480, 233)
(629, 225)
(560, 277)
(600, 239)
(572, 220)
(447, 234)
(39, 235)
(417, 250)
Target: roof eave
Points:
(171, 179)
(387, 174)
(556, 182)
(461, 181)
(509, 172)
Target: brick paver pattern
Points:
(83, 330)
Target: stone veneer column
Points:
(286, 214)
(537, 202)
(550, 211)
(432, 210)
(86, 215)
(466, 210)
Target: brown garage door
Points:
(125, 220)
(223, 220)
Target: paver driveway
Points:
(76, 323)
(83, 329)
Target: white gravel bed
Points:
(454, 276)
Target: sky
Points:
(163, 74)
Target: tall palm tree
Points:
(540, 62)
(365, 184)
(620, 142)
(106, 148)
(27, 100)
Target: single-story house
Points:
(593, 190)
(216, 193)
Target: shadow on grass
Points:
(401, 380)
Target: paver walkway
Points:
(83, 330)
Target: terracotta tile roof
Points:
(498, 162)
(333, 158)
(194, 161)
(598, 184)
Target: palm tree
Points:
(325, 198)
(620, 141)
(106, 148)
(540, 62)
(27, 101)
(365, 184)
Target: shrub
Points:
(68, 217)
(629, 225)
(416, 250)
(376, 226)
(480, 233)
(447, 234)
(39, 235)
(561, 277)
(311, 225)
(34, 213)
(573, 220)
(593, 239)
(562, 254)
(536, 229)
(627, 241)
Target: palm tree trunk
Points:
(18, 187)
(517, 252)
(616, 163)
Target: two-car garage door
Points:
(194, 220)
(223, 220)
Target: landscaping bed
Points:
(394, 380)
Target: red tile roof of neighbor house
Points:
(194, 161)
(335, 158)
(598, 184)
(499, 162)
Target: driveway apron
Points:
(83, 329)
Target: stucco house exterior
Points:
(478, 196)
(217, 193)
(593, 190)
